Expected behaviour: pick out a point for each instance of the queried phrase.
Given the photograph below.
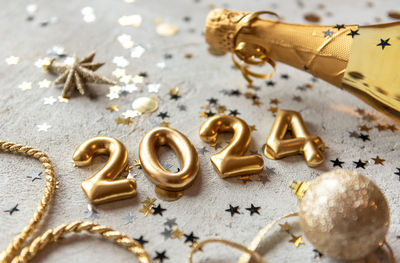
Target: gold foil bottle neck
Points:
(347, 56)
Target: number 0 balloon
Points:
(169, 185)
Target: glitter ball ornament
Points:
(344, 215)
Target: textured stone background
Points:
(328, 111)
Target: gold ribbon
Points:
(258, 59)
(250, 251)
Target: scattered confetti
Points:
(49, 100)
(167, 29)
(43, 127)
(12, 209)
(126, 41)
(137, 51)
(297, 240)
(88, 14)
(129, 219)
(132, 20)
(44, 84)
(112, 108)
(35, 176)
(25, 86)
(233, 210)
(120, 61)
(12, 60)
(91, 212)
(145, 104)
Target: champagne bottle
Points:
(363, 60)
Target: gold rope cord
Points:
(52, 235)
(48, 192)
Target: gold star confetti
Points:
(253, 128)
(132, 20)
(76, 76)
(12, 60)
(174, 91)
(157, 20)
(381, 127)
(365, 128)
(44, 84)
(62, 99)
(25, 86)
(124, 121)
(147, 209)
(177, 233)
(44, 63)
(165, 124)
(273, 109)
(249, 95)
(378, 160)
(323, 147)
(245, 179)
(206, 107)
(221, 109)
(128, 168)
(297, 240)
(257, 102)
(112, 108)
(195, 244)
(167, 30)
(149, 201)
(285, 227)
(274, 101)
(203, 114)
(188, 55)
(138, 164)
(308, 86)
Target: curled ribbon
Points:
(250, 252)
(261, 54)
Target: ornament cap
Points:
(299, 188)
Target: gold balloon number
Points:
(302, 142)
(231, 160)
(169, 185)
(105, 186)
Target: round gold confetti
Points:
(167, 30)
(145, 104)
(394, 14)
(311, 17)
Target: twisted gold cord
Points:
(53, 235)
(15, 245)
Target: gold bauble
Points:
(344, 215)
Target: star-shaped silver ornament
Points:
(35, 176)
(167, 233)
(129, 218)
(78, 74)
(171, 222)
(91, 212)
